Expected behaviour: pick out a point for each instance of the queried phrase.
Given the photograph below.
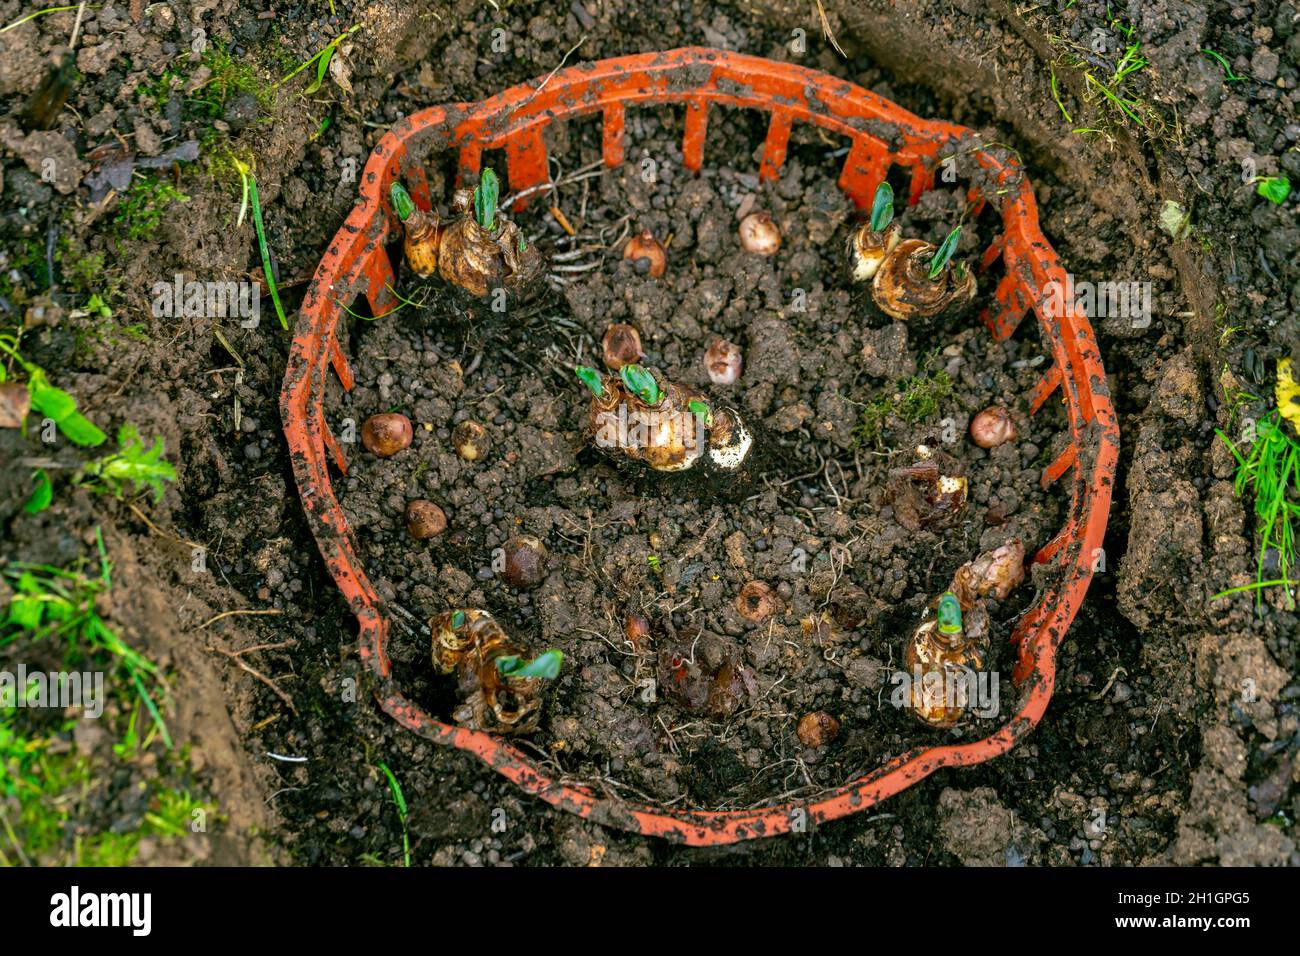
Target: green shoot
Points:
(39, 13)
(54, 403)
(545, 665)
(142, 467)
(701, 411)
(945, 253)
(457, 620)
(591, 378)
(250, 193)
(641, 383)
(949, 614)
(1229, 76)
(485, 200)
(322, 60)
(1273, 188)
(1056, 95)
(403, 205)
(1271, 468)
(882, 207)
(399, 800)
(53, 602)
(42, 495)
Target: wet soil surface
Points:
(1149, 750)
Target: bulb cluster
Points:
(910, 279)
(477, 251)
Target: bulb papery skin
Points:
(940, 667)
(668, 436)
(491, 701)
(993, 574)
(478, 260)
(868, 249)
(729, 441)
(422, 243)
(724, 362)
(621, 345)
(903, 290)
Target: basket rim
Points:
(356, 262)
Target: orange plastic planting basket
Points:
(881, 134)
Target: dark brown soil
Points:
(1149, 751)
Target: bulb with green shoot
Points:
(639, 414)
(503, 686)
(876, 238)
(545, 666)
(422, 232)
(481, 249)
(486, 194)
(641, 382)
(589, 377)
(939, 656)
(919, 281)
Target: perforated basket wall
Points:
(881, 134)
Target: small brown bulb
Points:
(756, 602)
(425, 520)
(760, 234)
(525, 562)
(992, 427)
(647, 254)
(622, 346)
(386, 434)
(817, 729)
(724, 362)
(470, 439)
(636, 630)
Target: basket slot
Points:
(1064, 461)
(1050, 382)
(380, 282)
(697, 125)
(865, 168)
(1010, 303)
(774, 147)
(976, 199)
(526, 164)
(341, 367)
(335, 449)
(611, 134)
